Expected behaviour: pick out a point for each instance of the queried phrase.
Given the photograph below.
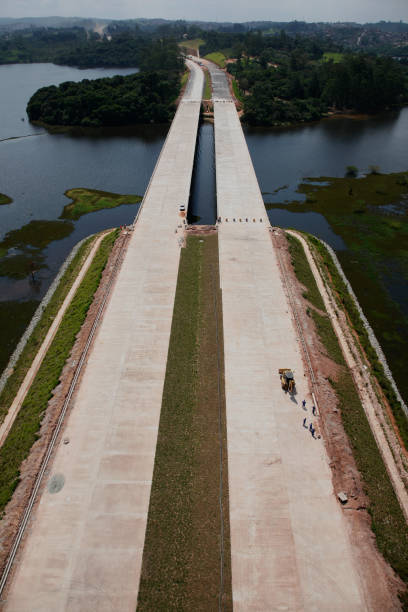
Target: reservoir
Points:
(37, 167)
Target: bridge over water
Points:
(289, 542)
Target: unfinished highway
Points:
(290, 545)
(84, 549)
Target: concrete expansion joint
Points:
(239, 220)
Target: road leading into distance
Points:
(84, 548)
(289, 542)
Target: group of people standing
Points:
(311, 428)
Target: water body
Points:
(202, 207)
(284, 157)
(36, 168)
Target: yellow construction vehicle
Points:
(287, 379)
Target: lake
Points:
(37, 167)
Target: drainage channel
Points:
(202, 207)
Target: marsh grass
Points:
(5, 199)
(370, 214)
(85, 201)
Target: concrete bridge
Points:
(289, 541)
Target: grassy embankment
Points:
(181, 559)
(370, 215)
(184, 78)
(207, 87)
(90, 200)
(387, 520)
(192, 43)
(333, 56)
(4, 199)
(237, 91)
(24, 431)
(217, 57)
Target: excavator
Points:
(287, 379)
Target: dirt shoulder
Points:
(380, 583)
(387, 442)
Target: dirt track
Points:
(364, 384)
(381, 585)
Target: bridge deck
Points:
(84, 549)
(289, 542)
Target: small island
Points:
(146, 97)
(4, 199)
(85, 201)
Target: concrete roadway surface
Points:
(218, 80)
(289, 541)
(84, 547)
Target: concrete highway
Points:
(85, 544)
(289, 541)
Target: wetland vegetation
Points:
(4, 199)
(370, 214)
(85, 201)
(22, 250)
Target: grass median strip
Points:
(207, 88)
(24, 431)
(387, 519)
(182, 555)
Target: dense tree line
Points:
(78, 47)
(293, 83)
(145, 97)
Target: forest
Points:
(78, 47)
(292, 79)
(146, 97)
(282, 77)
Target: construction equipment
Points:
(287, 379)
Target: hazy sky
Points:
(214, 10)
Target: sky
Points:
(214, 10)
